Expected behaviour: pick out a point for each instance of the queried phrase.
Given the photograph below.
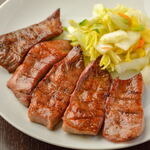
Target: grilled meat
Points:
(85, 112)
(124, 119)
(15, 45)
(37, 63)
(51, 97)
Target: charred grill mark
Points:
(124, 113)
(15, 45)
(62, 77)
(36, 66)
(85, 112)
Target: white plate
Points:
(15, 14)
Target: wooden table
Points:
(12, 139)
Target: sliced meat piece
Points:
(15, 45)
(35, 66)
(85, 112)
(124, 118)
(51, 97)
(127, 88)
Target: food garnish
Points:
(120, 35)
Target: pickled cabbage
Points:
(121, 35)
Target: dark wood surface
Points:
(12, 139)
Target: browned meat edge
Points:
(15, 45)
(124, 117)
(85, 113)
(35, 66)
(51, 97)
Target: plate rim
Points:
(62, 145)
(16, 126)
(4, 3)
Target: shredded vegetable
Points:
(145, 73)
(120, 35)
